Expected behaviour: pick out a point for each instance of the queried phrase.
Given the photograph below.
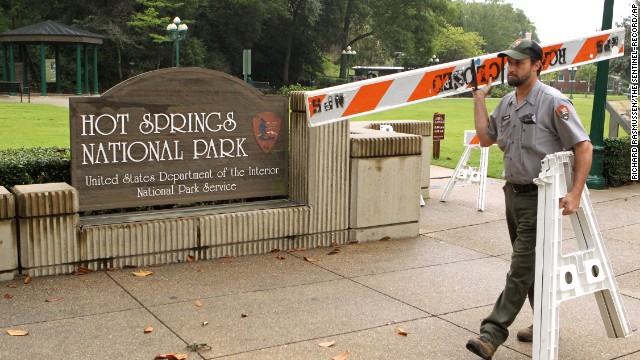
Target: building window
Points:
(561, 78)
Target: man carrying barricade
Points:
(533, 121)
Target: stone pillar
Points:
(48, 224)
(8, 241)
(385, 184)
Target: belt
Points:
(523, 188)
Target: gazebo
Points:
(51, 32)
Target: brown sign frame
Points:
(179, 135)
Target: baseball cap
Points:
(522, 49)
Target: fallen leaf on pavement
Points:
(171, 356)
(280, 257)
(244, 315)
(17, 332)
(27, 279)
(13, 286)
(342, 356)
(385, 238)
(8, 296)
(142, 273)
(327, 344)
(225, 261)
(334, 251)
(81, 270)
(148, 329)
(53, 299)
(205, 323)
(401, 332)
(274, 250)
(310, 259)
(199, 303)
(191, 258)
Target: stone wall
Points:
(344, 186)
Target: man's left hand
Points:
(569, 204)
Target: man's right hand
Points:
(483, 91)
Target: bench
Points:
(264, 85)
(14, 87)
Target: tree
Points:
(298, 9)
(455, 44)
(622, 65)
(586, 73)
(496, 21)
(394, 26)
(150, 24)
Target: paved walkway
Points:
(57, 100)
(437, 287)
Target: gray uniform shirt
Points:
(545, 122)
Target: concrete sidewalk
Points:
(54, 99)
(437, 287)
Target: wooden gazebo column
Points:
(95, 69)
(78, 69)
(43, 69)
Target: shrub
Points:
(34, 166)
(500, 90)
(616, 166)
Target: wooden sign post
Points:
(438, 133)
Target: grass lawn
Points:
(459, 117)
(35, 125)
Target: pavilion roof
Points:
(50, 31)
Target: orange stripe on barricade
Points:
(431, 84)
(490, 68)
(475, 141)
(549, 55)
(589, 50)
(312, 101)
(367, 98)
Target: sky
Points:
(560, 20)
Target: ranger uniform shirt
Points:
(545, 122)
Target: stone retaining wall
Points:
(344, 186)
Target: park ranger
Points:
(533, 121)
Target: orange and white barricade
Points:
(464, 174)
(391, 91)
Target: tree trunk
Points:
(345, 37)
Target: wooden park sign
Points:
(178, 135)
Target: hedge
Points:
(616, 165)
(34, 166)
(51, 164)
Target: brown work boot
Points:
(481, 347)
(526, 334)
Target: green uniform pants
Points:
(521, 213)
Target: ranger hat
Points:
(522, 49)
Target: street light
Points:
(572, 78)
(434, 60)
(349, 54)
(177, 33)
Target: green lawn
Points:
(459, 117)
(32, 125)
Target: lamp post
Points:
(572, 79)
(349, 54)
(434, 60)
(177, 32)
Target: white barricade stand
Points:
(466, 174)
(562, 277)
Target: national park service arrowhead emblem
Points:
(266, 128)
